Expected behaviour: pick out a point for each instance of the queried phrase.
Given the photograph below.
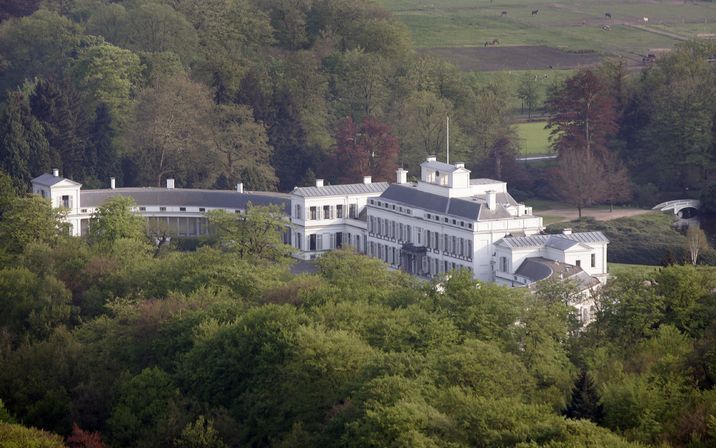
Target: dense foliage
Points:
(108, 342)
(218, 92)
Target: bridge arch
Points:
(682, 207)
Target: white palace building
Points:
(442, 222)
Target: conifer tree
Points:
(23, 147)
(58, 108)
(101, 151)
(585, 400)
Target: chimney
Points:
(432, 159)
(56, 172)
(367, 179)
(402, 176)
(112, 183)
(459, 165)
(240, 187)
(319, 182)
(491, 197)
(170, 183)
(567, 231)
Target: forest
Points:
(113, 341)
(110, 341)
(274, 93)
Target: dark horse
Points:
(608, 15)
(535, 12)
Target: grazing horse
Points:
(608, 15)
(645, 19)
(535, 12)
(503, 13)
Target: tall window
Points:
(594, 260)
(312, 242)
(579, 263)
(327, 212)
(314, 213)
(67, 201)
(298, 211)
(503, 264)
(339, 211)
(352, 211)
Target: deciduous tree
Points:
(582, 115)
(170, 135)
(580, 180)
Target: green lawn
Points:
(534, 138)
(573, 25)
(640, 270)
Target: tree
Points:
(200, 434)
(243, 151)
(370, 149)
(14, 146)
(31, 306)
(57, 106)
(580, 180)
(170, 135)
(585, 400)
(17, 8)
(696, 241)
(529, 92)
(617, 184)
(582, 115)
(420, 127)
(256, 234)
(111, 74)
(155, 27)
(84, 439)
(102, 154)
(29, 219)
(114, 220)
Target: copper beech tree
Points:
(370, 149)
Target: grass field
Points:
(534, 138)
(641, 270)
(572, 25)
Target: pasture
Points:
(572, 26)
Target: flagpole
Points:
(448, 139)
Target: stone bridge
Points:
(678, 206)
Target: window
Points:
(352, 211)
(182, 209)
(66, 201)
(298, 211)
(429, 216)
(503, 264)
(162, 209)
(298, 240)
(579, 263)
(327, 212)
(312, 241)
(202, 209)
(339, 211)
(313, 213)
(408, 234)
(594, 260)
(84, 210)
(142, 209)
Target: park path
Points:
(599, 214)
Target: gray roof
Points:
(554, 240)
(340, 190)
(472, 208)
(441, 166)
(484, 181)
(50, 180)
(538, 268)
(410, 195)
(228, 199)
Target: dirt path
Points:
(596, 213)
